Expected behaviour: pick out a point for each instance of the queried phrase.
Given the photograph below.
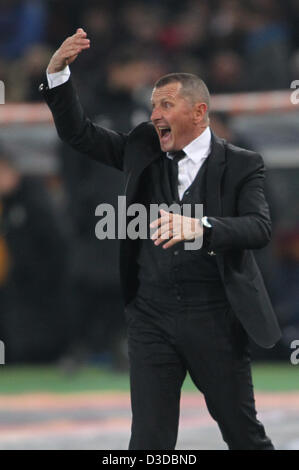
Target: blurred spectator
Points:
(220, 124)
(225, 25)
(118, 100)
(33, 268)
(141, 23)
(27, 73)
(98, 21)
(227, 73)
(267, 36)
(285, 283)
(22, 24)
(292, 11)
(234, 45)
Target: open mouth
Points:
(164, 133)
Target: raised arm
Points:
(73, 127)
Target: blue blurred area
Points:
(22, 24)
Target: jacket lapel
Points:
(149, 154)
(215, 169)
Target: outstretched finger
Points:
(171, 242)
(81, 42)
(165, 236)
(162, 230)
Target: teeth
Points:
(161, 130)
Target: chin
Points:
(167, 148)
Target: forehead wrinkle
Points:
(167, 91)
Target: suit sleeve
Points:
(251, 228)
(74, 128)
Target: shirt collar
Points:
(199, 148)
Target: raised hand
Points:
(69, 51)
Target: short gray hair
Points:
(193, 87)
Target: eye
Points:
(167, 104)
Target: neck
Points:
(197, 134)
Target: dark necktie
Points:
(174, 172)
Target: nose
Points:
(156, 114)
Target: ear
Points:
(200, 110)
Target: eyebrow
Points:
(163, 100)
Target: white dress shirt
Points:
(196, 153)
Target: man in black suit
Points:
(186, 310)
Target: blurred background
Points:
(61, 312)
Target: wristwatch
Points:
(206, 223)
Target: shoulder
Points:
(240, 156)
(244, 165)
(240, 163)
(144, 134)
(142, 141)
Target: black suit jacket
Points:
(235, 205)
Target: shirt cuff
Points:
(58, 78)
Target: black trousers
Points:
(167, 338)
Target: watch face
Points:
(206, 222)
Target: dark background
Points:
(59, 286)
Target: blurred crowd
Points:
(59, 286)
(236, 45)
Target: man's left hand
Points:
(175, 228)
